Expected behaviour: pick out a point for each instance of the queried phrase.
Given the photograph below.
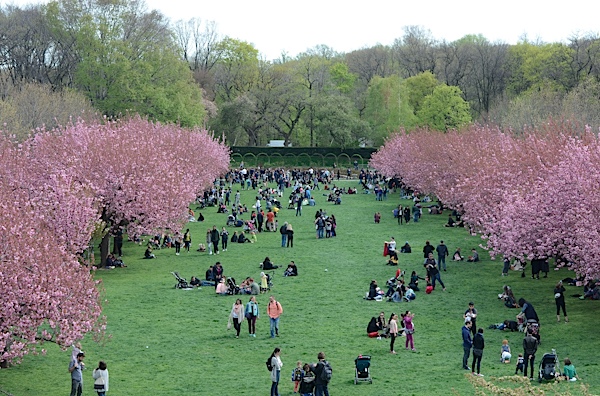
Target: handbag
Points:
(99, 387)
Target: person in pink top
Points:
(274, 310)
(409, 329)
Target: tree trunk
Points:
(104, 249)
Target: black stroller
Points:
(181, 282)
(232, 288)
(549, 367)
(362, 369)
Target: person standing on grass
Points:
(283, 232)
(471, 313)
(409, 329)
(270, 220)
(321, 381)
(100, 376)
(214, 238)
(252, 314)
(276, 365)
(177, 240)
(75, 368)
(290, 235)
(274, 310)
(559, 298)
(467, 343)
(187, 240)
(530, 344)
(432, 272)
(224, 239)
(393, 326)
(442, 251)
(478, 345)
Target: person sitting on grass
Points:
(372, 290)
(148, 253)
(414, 281)
(268, 265)
(406, 248)
(451, 222)
(291, 269)
(474, 257)
(222, 288)
(569, 371)
(242, 239)
(457, 256)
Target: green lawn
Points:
(171, 342)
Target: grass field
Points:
(172, 342)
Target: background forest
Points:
(97, 58)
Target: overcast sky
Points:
(294, 26)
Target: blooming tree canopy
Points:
(54, 190)
(530, 196)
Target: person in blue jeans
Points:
(276, 366)
(283, 232)
(320, 383)
(467, 343)
(442, 251)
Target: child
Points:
(569, 371)
(264, 283)
(520, 364)
(505, 352)
(297, 375)
(429, 287)
(307, 386)
(377, 217)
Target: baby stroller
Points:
(549, 367)
(181, 282)
(230, 220)
(362, 369)
(232, 288)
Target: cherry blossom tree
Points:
(142, 174)
(47, 295)
(529, 196)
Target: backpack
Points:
(326, 372)
(269, 364)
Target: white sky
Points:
(294, 26)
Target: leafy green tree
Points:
(444, 109)
(419, 87)
(128, 61)
(237, 69)
(388, 108)
(338, 123)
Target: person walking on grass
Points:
(478, 345)
(559, 298)
(252, 314)
(214, 238)
(100, 376)
(442, 251)
(274, 310)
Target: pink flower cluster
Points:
(533, 195)
(57, 188)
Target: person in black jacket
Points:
(530, 344)
(428, 248)
(478, 345)
(214, 238)
(320, 382)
